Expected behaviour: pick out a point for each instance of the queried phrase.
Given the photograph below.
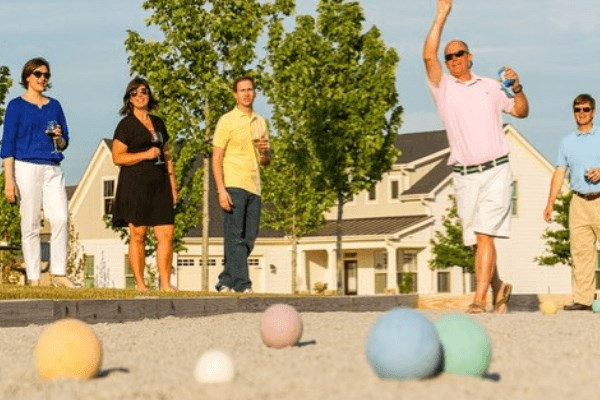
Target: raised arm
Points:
(433, 67)
(521, 107)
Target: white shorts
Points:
(484, 201)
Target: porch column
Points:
(332, 282)
(392, 269)
(302, 283)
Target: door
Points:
(351, 277)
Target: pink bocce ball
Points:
(280, 326)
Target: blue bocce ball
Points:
(404, 344)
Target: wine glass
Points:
(51, 132)
(258, 133)
(157, 140)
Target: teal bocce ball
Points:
(596, 306)
(466, 345)
(404, 344)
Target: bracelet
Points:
(515, 91)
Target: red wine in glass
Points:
(157, 140)
(51, 127)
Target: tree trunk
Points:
(205, 223)
(338, 247)
(294, 264)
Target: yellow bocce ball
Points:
(68, 348)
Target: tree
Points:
(335, 85)
(10, 230)
(447, 246)
(5, 84)
(558, 249)
(206, 45)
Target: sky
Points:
(552, 44)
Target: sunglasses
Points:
(142, 92)
(580, 109)
(39, 74)
(458, 54)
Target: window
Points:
(443, 282)
(394, 190)
(88, 262)
(185, 262)
(407, 272)
(253, 262)
(515, 192)
(372, 194)
(380, 264)
(108, 195)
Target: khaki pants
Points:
(584, 228)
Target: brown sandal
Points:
(476, 308)
(501, 305)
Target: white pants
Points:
(42, 186)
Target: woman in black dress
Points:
(146, 191)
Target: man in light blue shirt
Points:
(579, 154)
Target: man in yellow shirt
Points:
(240, 146)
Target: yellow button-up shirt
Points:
(234, 134)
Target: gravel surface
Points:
(534, 357)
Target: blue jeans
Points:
(240, 231)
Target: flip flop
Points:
(476, 308)
(501, 305)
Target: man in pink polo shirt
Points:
(471, 108)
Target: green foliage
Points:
(10, 231)
(10, 219)
(447, 246)
(407, 284)
(205, 45)
(5, 84)
(335, 85)
(557, 241)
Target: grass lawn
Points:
(12, 292)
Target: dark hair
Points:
(241, 79)
(31, 66)
(136, 82)
(585, 98)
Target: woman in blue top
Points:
(35, 134)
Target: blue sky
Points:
(552, 44)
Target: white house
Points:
(386, 231)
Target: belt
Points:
(588, 196)
(471, 169)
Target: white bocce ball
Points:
(214, 366)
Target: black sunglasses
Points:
(458, 54)
(134, 93)
(39, 74)
(580, 109)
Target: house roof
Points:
(371, 226)
(431, 180)
(421, 144)
(70, 191)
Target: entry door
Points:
(351, 277)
